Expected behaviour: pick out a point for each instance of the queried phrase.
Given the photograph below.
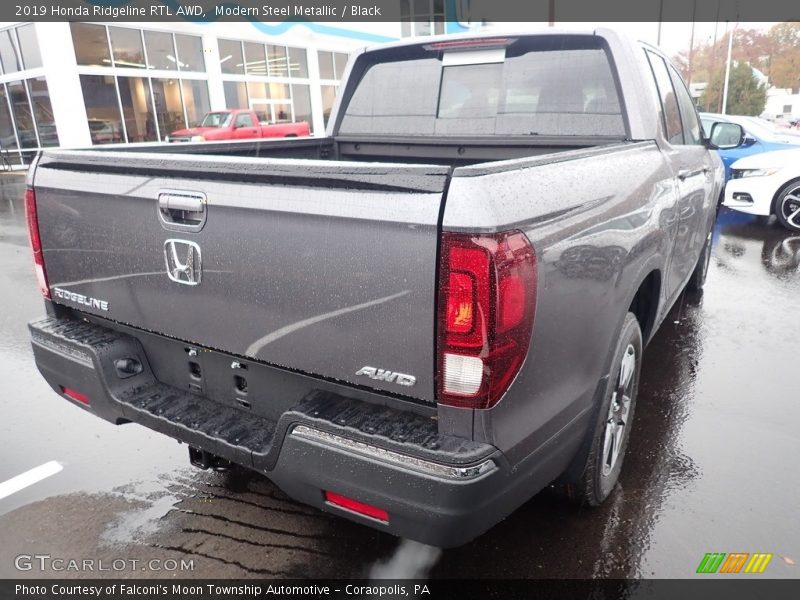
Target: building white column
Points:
(216, 92)
(315, 91)
(63, 83)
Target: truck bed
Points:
(450, 151)
(302, 259)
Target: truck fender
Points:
(574, 471)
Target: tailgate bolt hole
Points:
(194, 369)
(241, 383)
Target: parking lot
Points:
(712, 465)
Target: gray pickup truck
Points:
(416, 322)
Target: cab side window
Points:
(244, 120)
(691, 124)
(673, 127)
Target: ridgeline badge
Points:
(80, 299)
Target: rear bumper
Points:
(436, 489)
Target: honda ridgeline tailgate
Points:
(323, 267)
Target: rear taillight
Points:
(487, 301)
(36, 241)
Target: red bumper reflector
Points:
(75, 395)
(357, 507)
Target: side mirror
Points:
(725, 136)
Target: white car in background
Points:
(767, 184)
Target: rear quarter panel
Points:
(600, 221)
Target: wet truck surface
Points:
(416, 322)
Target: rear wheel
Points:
(613, 423)
(787, 206)
(698, 278)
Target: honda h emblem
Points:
(183, 261)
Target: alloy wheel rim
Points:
(619, 410)
(791, 207)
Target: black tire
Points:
(603, 464)
(787, 206)
(698, 278)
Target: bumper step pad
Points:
(240, 436)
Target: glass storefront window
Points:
(326, 70)
(254, 59)
(276, 59)
(278, 91)
(8, 139)
(262, 112)
(195, 99)
(257, 90)
(102, 109)
(298, 64)
(21, 112)
(235, 94)
(29, 47)
(26, 114)
(340, 62)
(137, 109)
(190, 53)
(230, 57)
(328, 96)
(91, 44)
(160, 51)
(43, 112)
(169, 107)
(119, 108)
(423, 18)
(126, 44)
(8, 52)
(302, 104)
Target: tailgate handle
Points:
(182, 211)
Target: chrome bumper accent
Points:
(423, 466)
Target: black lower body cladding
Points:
(437, 489)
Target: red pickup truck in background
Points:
(237, 124)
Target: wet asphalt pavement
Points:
(711, 467)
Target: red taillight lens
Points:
(486, 310)
(75, 395)
(357, 507)
(460, 303)
(36, 241)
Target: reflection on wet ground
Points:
(711, 465)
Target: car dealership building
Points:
(80, 84)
